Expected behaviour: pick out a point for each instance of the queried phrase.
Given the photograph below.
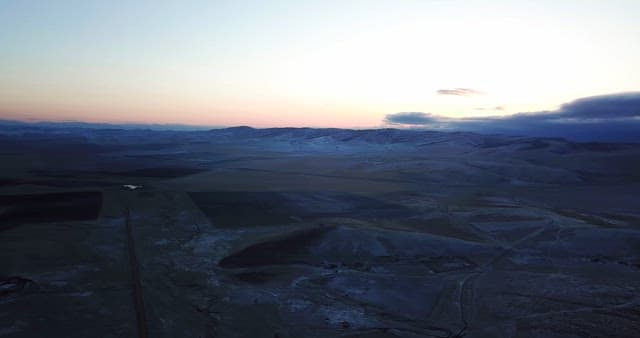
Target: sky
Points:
(314, 63)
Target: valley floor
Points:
(241, 233)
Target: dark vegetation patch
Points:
(236, 209)
(290, 248)
(255, 277)
(160, 172)
(231, 209)
(50, 207)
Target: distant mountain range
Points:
(416, 137)
(93, 125)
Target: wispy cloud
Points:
(496, 108)
(614, 117)
(459, 92)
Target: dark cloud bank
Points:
(614, 117)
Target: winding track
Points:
(466, 284)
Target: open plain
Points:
(285, 232)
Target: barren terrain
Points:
(244, 232)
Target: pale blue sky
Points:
(315, 63)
